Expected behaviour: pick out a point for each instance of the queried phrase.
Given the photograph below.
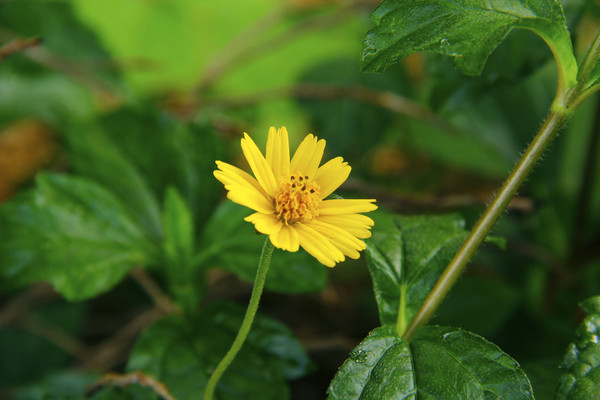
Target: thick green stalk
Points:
(259, 284)
(554, 121)
(568, 97)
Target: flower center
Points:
(297, 199)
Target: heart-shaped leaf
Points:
(72, 233)
(468, 30)
(439, 363)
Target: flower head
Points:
(289, 198)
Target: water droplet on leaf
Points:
(359, 356)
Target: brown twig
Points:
(134, 378)
(17, 313)
(410, 203)
(113, 351)
(17, 45)
(228, 54)
(242, 49)
(19, 305)
(78, 72)
(57, 336)
(160, 298)
(75, 70)
(384, 99)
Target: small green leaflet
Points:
(178, 230)
(439, 363)
(468, 30)
(582, 360)
(185, 283)
(72, 233)
(406, 256)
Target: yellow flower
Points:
(289, 198)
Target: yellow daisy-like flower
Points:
(289, 198)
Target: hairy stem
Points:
(499, 204)
(259, 283)
(569, 96)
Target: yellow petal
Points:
(262, 171)
(308, 156)
(234, 175)
(318, 246)
(348, 251)
(331, 175)
(248, 198)
(265, 223)
(286, 239)
(357, 225)
(346, 206)
(278, 152)
(348, 244)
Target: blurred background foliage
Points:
(125, 104)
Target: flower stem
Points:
(259, 284)
(553, 123)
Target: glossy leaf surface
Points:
(439, 363)
(582, 360)
(72, 233)
(468, 30)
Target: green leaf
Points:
(166, 152)
(406, 256)
(582, 360)
(231, 243)
(72, 233)
(182, 354)
(32, 84)
(57, 24)
(468, 30)
(186, 283)
(178, 226)
(95, 156)
(52, 98)
(439, 363)
(380, 367)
